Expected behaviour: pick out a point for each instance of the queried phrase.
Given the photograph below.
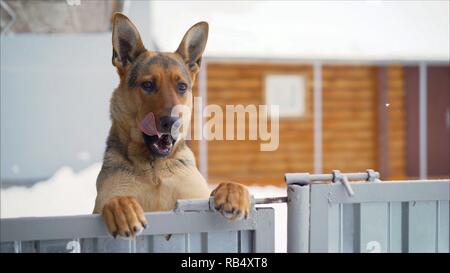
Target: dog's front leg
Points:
(124, 216)
(232, 200)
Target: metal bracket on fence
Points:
(338, 177)
(270, 200)
(373, 176)
(194, 205)
(208, 204)
(304, 179)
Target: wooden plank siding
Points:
(396, 123)
(349, 122)
(349, 108)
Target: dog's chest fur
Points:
(156, 184)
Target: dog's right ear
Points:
(127, 43)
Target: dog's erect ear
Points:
(193, 45)
(127, 43)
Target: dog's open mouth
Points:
(159, 145)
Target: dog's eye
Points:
(148, 86)
(182, 88)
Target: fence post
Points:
(298, 218)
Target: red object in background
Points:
(438, 123)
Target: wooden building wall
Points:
(349, 123)
(396, 123)
(349, 118)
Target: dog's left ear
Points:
(193, 45)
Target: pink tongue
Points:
(148, 125)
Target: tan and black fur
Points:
(132, 179)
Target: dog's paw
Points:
(124, 216)
(232, 200)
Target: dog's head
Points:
(154, 97)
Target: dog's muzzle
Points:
(160, 143)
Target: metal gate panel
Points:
(390, 216)
(245, 241)
(194, 242)
(335, 228)
(422, 235)
(395, 227)
(350, 217)
(222, 242)
(169, 243)
(176, 231)
(443, 227)
(373, 227)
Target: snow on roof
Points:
(363, 30)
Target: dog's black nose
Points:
(166, 123)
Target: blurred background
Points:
(368, 88)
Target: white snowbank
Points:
(70, 193)
(65, 193)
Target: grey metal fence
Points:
(192, 227)
(373, 216)
(326, 213)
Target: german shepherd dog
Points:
(146, 167)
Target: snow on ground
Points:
(70, 193)
(65, 193)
